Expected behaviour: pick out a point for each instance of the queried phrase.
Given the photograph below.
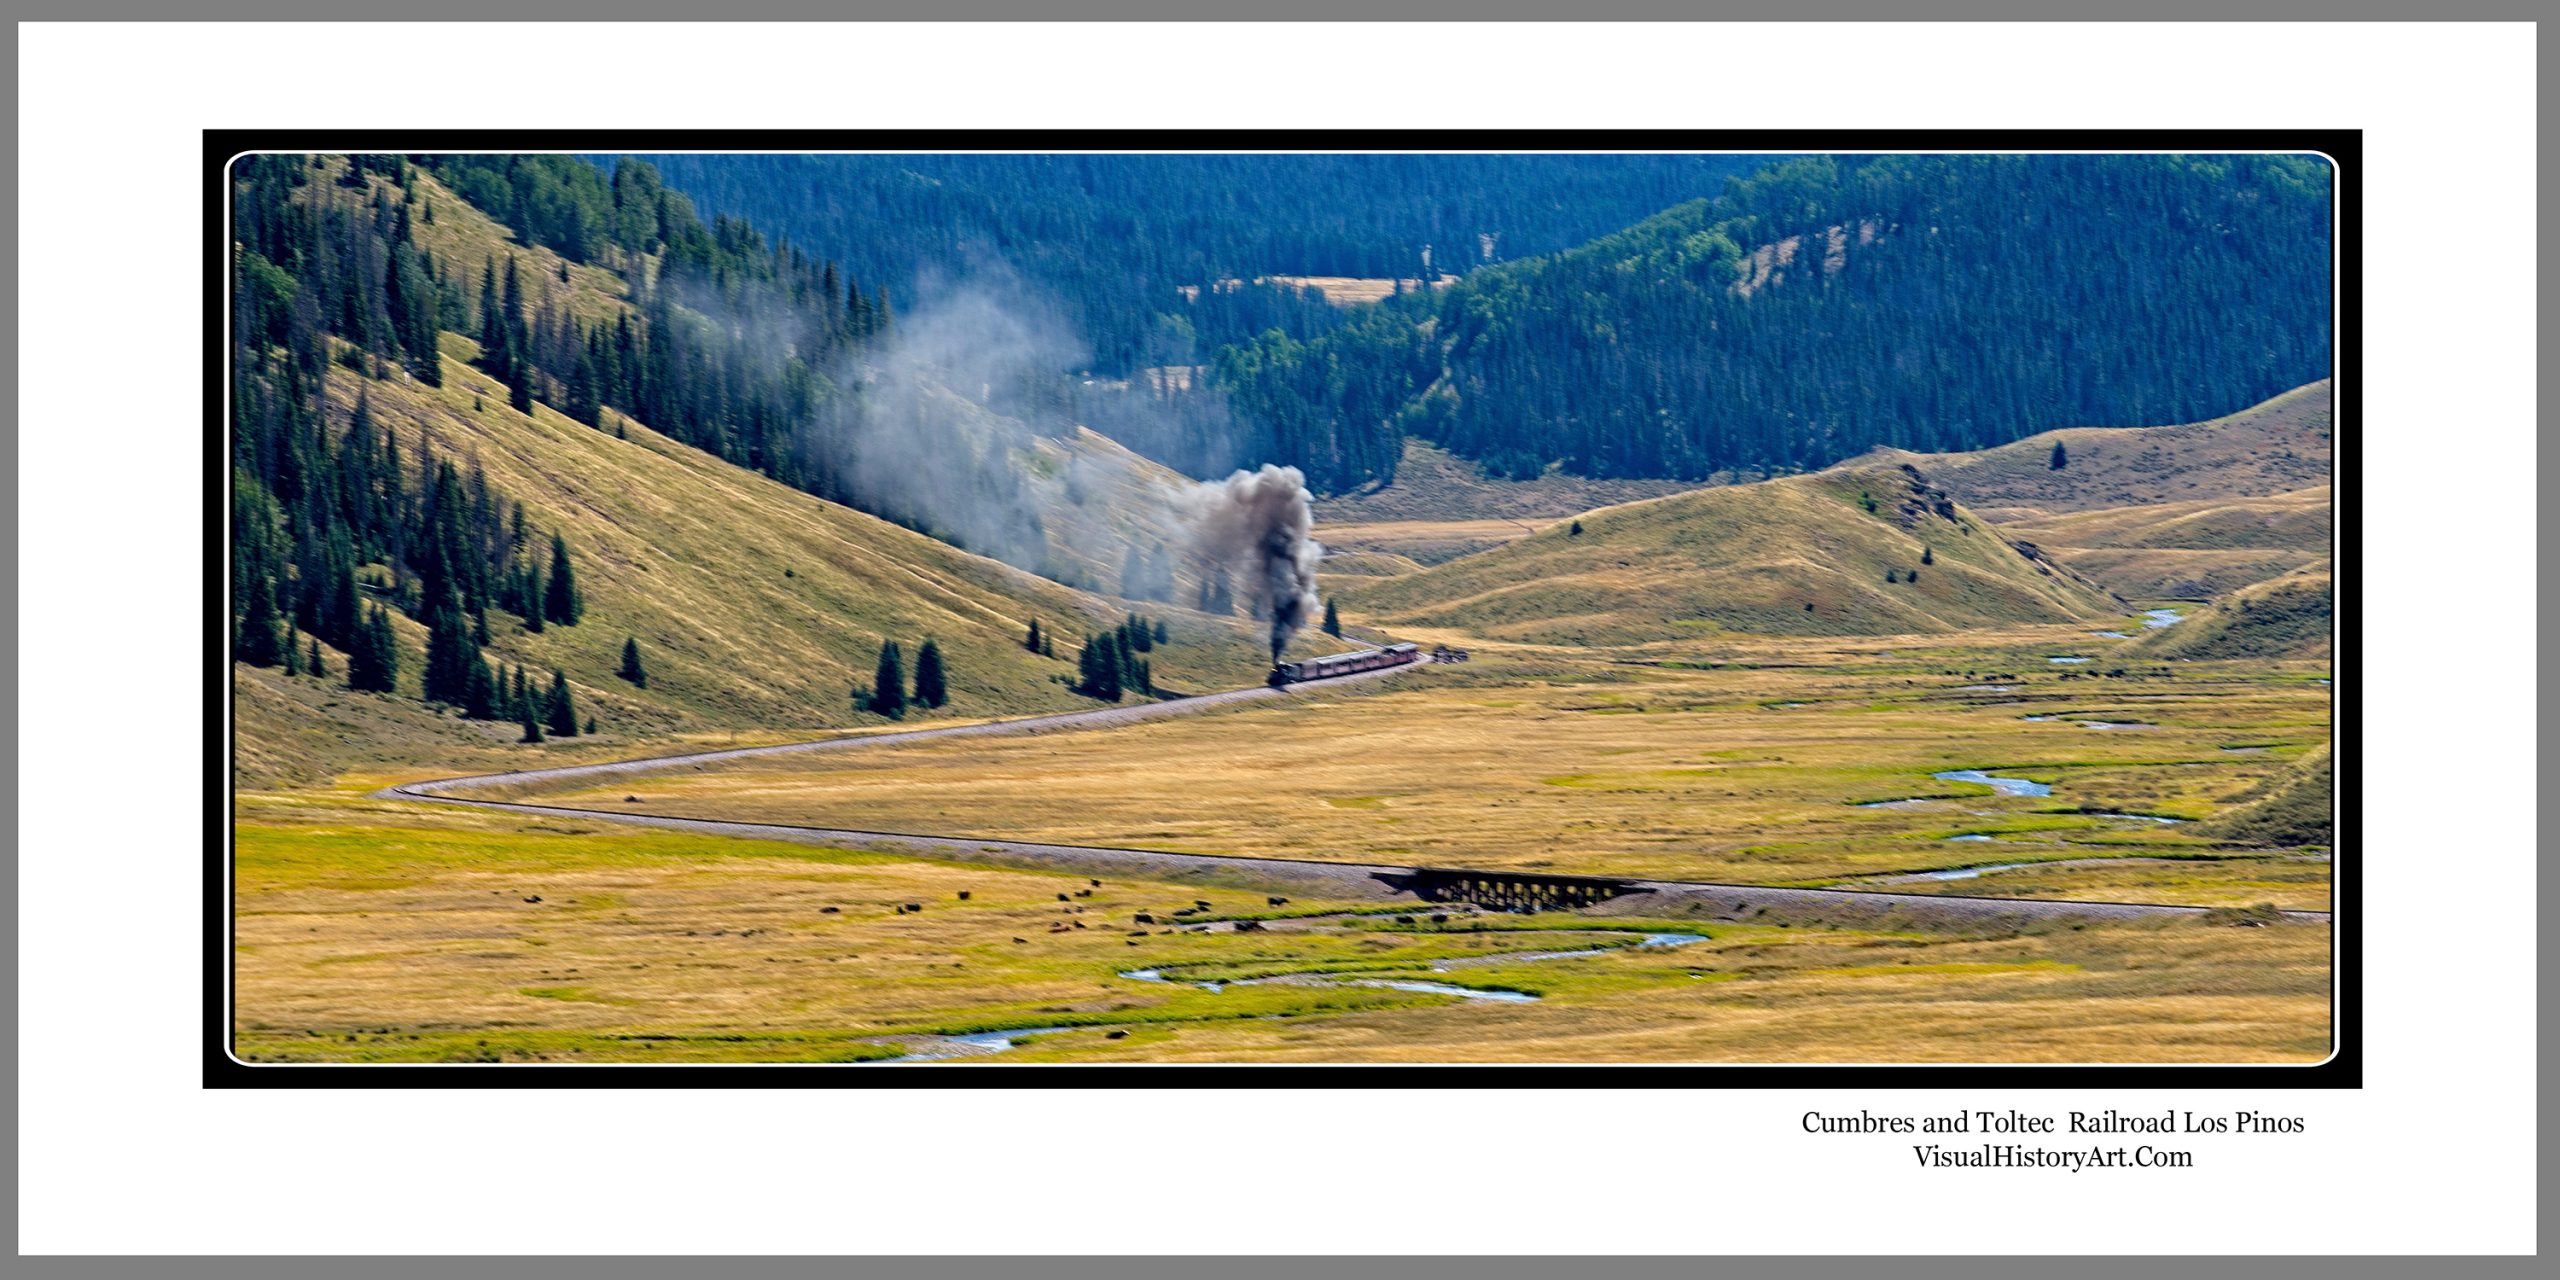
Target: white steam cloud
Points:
(1264, 523)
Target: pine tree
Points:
(292, 649)
(1576, 531)
(2061, 457)
(888, 684)
(560, 600)
(631, 668)
(317, 666)
(480, 692)
(1928, 556)
(532, 725)
(1162, 635)
(373, 664)
(1032, 641)
(1332, 620)
(930, 689)
(259, 644)
(563, 713)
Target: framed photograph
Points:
(1306, 609)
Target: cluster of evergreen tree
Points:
(1832, 304)
(1110, 665)
(888, 694)
(316, 503)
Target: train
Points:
(1343, 664)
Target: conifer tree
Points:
(1032, 641)
(930, 688)
(532, 725)
(888, 684)
(373, 664)
(564, 714)
(258, 643)
(1928, 556)
(315, 663)
(1162, 635)
(631, 668)
(2061, 457)
(560, 600)
(480, 692)
(1332, 620)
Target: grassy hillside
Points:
(2188, 550)
(2294, 809)
(1801, 555)
(2289, 617)
(755, 605)
(1434, 484)
(2276, 447)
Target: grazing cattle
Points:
(1275, 902)
(1404, 919)
(1095, 883)
(916, 907)
(1439, 917)
(964, 895)
(1084, 893)
(1062, 897)
(826, 911)
(535, 898)
(1022, 942)
(631, 800)
(1077, 923)
(1115, 1035)
(1249, 926)
(1143, 918)
(1202, 903)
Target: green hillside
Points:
(2289, 617)
(1748, 558)
(2295, 808)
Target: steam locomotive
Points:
(1343, 664)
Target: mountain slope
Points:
(2277, 446)
(2187, 550)
(755, 605)
(1831, 304)
(1744, 558)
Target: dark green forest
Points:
(1112, 241)
(1830, 305)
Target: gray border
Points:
(1422, 1269)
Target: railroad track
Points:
(1349, 879)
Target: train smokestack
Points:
(1264, 522)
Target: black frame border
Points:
(2344, 1069)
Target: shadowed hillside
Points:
(1872, 551)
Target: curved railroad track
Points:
(1346, 879)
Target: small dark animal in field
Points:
(1404, 919)
(1077, 923)
(632, 800)
(1133, 942)
(1202, 903)
(535, 898)
(964, 895)
(1095, 883)
(1115, 1035)
(916, 907)
(1439, 917)
(1143, 918)
(1062, 897)
(1275, 902)
(1022, 942)
(827, 911)
(1249, 926)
